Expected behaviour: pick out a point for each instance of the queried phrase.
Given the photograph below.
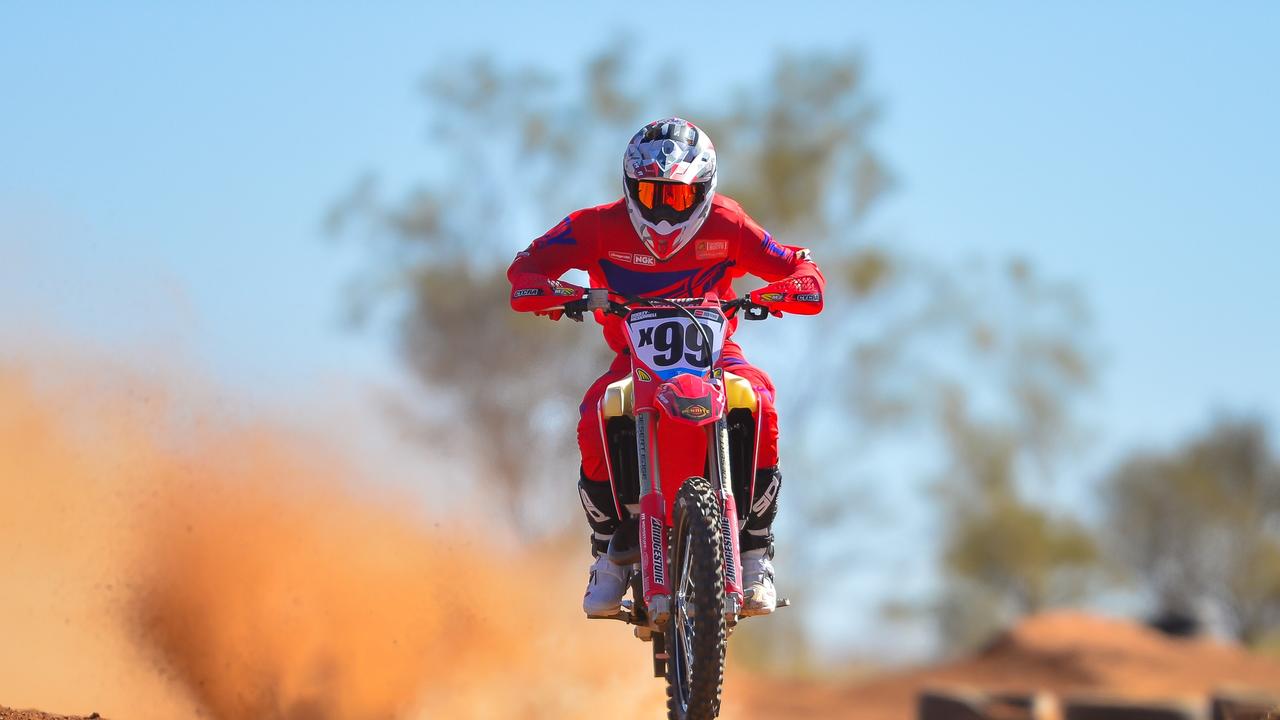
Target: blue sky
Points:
(164, 169)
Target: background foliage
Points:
(990, 360)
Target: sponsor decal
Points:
(564, 291)
(809, 297)
(695, 412)
(656, 540)
(730, 564)
(711, 249)
(766, 498)
(722, 431)
(634, 259)
(642, 449)
(772, 296)
(644, 315)
(526, 292)
(593, 512)
(643, 376)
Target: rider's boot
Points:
(756, 543)
(605, 588)
(607, 582)
(758, 594)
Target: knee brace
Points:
(602, 514)
(757, 531)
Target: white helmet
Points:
(670, 176)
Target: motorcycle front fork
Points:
(654, 563)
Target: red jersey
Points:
(602, 241)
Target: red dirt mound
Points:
(7, 714)
(1067, 653)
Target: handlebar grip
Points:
(574, 309)
(750, 310)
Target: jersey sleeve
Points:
(535, 272)
(795, 283)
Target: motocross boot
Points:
(607, 582)
(756, 543)
(605, 588)
(758, 594)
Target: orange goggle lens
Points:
(677, 196)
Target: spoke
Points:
(688, 648)
(686, 584)
(684, 624)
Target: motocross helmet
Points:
(669, 171)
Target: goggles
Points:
(677, 196)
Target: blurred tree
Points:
(1199, 527)
(1017, 557)
(514, 150)
(993, 361)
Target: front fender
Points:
(691, 400)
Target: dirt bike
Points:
(681, 437)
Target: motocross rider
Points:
(670, 235)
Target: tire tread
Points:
(696, 500)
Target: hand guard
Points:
(797, 295)
(538, 294)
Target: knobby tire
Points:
(694, 678)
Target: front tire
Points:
(695, 635)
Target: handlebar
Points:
(598, 299)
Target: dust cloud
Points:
(160, 562)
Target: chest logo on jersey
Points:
(711, 249)
(634, 259)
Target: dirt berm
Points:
(1066, 653)
(7, 714)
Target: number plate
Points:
(668, 341)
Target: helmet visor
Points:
(671, 201)
(677, 196)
